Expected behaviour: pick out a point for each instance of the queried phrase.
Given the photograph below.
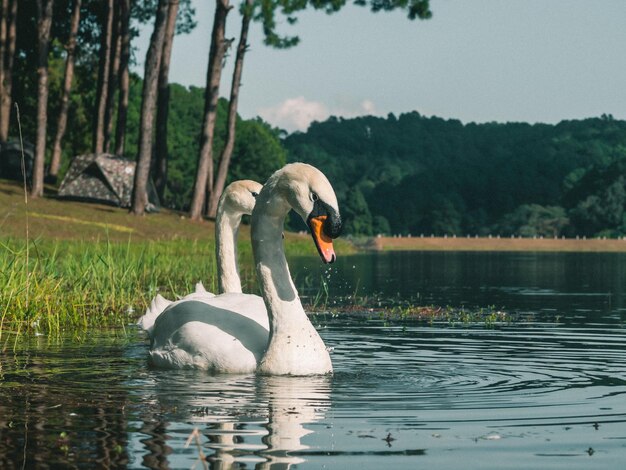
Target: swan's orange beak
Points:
(322, 241)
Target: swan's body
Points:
(223, 333)
(229, 332)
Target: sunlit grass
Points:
(61, 286)
(65, 285)
(66, 266)
(61, 218)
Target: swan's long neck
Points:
(294, 346)
(226, 229)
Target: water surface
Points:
(547, 392)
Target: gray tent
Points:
(104, 178)
(11, 160)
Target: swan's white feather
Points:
(160, 303)
(224, 333)
(200, 288)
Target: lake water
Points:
(547, 390)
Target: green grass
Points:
(58, 286)
(61, 285)
(87, 265)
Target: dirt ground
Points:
(497, 244)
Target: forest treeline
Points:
(416, 175)
(66, 63)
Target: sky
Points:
(474, 60)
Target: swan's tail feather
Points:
(160, 303)
(157, 306)
(200, 291)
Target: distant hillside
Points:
(412, 174)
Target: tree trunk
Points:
(229, 145)
(103, 80)
(114, 63)
(6, 85)
(124, 81)
(55, 163)
(4, 17)
(148, 103)
(163, 101)
(44, 22)
(204, 174)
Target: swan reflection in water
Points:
(251, 421)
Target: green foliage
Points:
(597, 200)
(429, 175)
(258, 151)
(445, 218)
(380, 225)
(407, 174)
(533, 220)
(257, 154)
(415, 8)
(143, 12)
(265, 11)
(357, 214)
(82, 99)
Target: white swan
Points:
(232, 332)
(237, 200)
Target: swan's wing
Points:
(224, 333)
(157, 306)
(247, 305)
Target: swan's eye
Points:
(314, 197)
(254, 194)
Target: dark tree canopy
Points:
(435, 176)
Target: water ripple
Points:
(399, 392)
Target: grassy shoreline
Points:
(70, 266)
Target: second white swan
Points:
(237, 200)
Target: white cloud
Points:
(368, 107)
(297, 113)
